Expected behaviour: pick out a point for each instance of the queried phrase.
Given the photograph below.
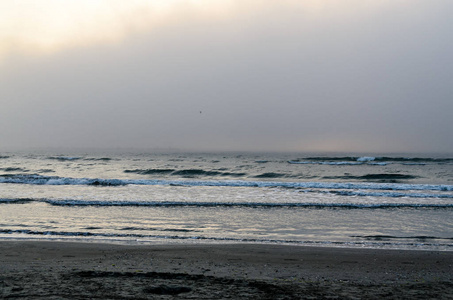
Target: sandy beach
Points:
(65, 270)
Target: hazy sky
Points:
(286, 75)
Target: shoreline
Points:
(77, 270)
(189, 241)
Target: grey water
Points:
(399, 201)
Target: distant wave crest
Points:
(357, 160)
(63, 158)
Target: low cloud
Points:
(259, 77)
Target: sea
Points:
(391, 201)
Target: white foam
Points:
(366, 159)
(55, 180)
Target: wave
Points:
(270, 175)
(416, 159)
(231, 174)
(64, 158)
(4, 156)
(373, 243)
(64, 233)
(155, 229)
(195, 172)
(324, 162)
(253, 205)
(332, 158)
(99, 159)
(71, 158)
(366, 158)
(386, 177)
(36, 179)
(188, 173)
(46, 171)
(18, 200)
(390, 237)
(389, 194)
(11, 169)
(150, 171)
(371, 160)
(306, 205)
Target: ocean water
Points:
(342, 200)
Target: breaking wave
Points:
(356, 160)
(305, 205)
(56, 180)
(36, 179)
(369, 242)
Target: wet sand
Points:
(65, 270)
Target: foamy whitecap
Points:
(366, 158)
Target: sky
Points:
(214, 75)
